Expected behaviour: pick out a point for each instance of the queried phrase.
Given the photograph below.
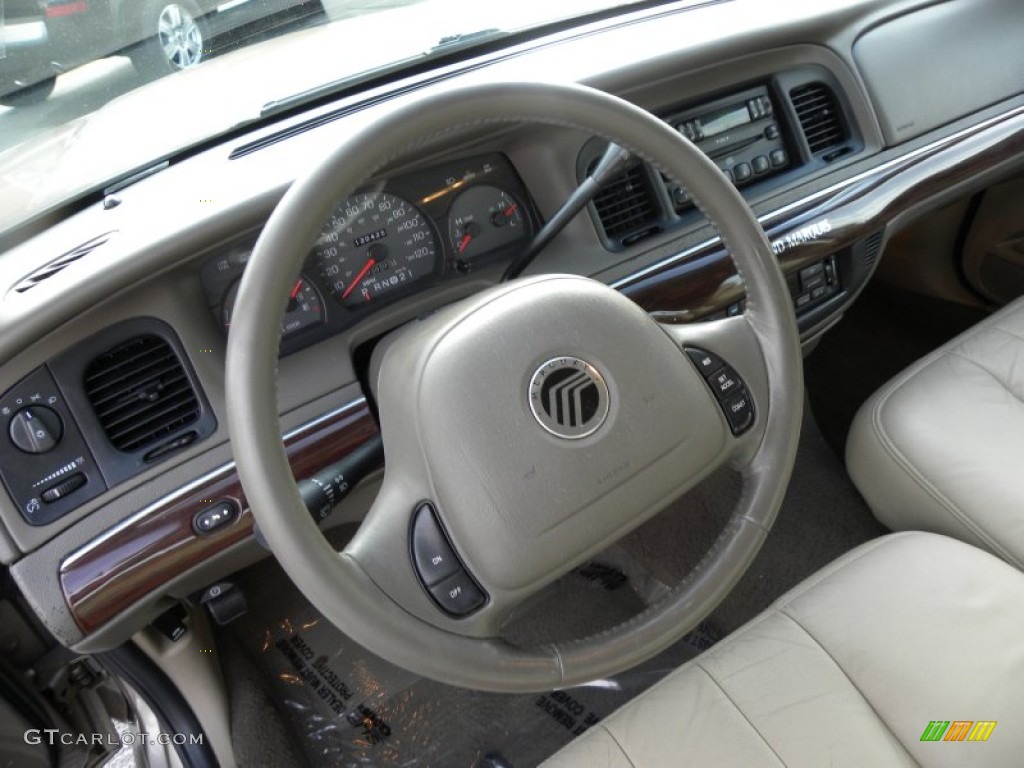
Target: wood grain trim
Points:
(705, 281)
(145, 552)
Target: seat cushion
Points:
(941, 446)
(850, 668)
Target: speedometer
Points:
(374, 244)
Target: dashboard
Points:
(118, 310)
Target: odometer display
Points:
(374, 244)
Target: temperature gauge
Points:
(483, 219)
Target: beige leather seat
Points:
(848, 669)
(941, 446)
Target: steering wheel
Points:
(529, 426)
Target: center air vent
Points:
(140, 393)
(627, 208)
(818, 112)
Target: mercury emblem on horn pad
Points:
(568, 397)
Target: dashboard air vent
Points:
(819, 116)
(626, 207)
(870, 246)
(51, 268)
(140, 392)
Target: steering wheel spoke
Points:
(404, 547)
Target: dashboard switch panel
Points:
(814, 284)
(439, 568)
(45, 463)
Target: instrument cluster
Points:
(410, 233)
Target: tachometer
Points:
(375, 244)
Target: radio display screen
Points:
(724, 119)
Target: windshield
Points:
(94, 90)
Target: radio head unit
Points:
(740, 132)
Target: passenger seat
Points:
(941, 446)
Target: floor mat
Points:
(822, 516)
(350, 708)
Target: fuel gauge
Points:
(305, 306)
(483, 219)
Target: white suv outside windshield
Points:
(132, 87)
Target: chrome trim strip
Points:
(229, 5)
(211, 476)
(771, 217)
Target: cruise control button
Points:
(457, 594)
(431, 553)
(707, 362)
(739, 411)
(725, 382)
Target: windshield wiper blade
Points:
(445, 45)
(467, 38)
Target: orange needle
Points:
(359, 278)
(295, 290)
